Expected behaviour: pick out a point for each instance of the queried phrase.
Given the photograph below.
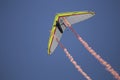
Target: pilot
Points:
(59, 26)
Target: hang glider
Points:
(59, 25)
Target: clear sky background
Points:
(24, 34)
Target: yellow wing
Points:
(72, 17)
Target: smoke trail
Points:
(76, 65)
(72, 60)
(98, 57)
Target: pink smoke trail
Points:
(72, 60)
(98, 57)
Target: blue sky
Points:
(24, 33)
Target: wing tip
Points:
(93, 13)
(49, 52)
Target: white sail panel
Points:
(58, 34)
(78, 18)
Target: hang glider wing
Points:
(72, 18)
